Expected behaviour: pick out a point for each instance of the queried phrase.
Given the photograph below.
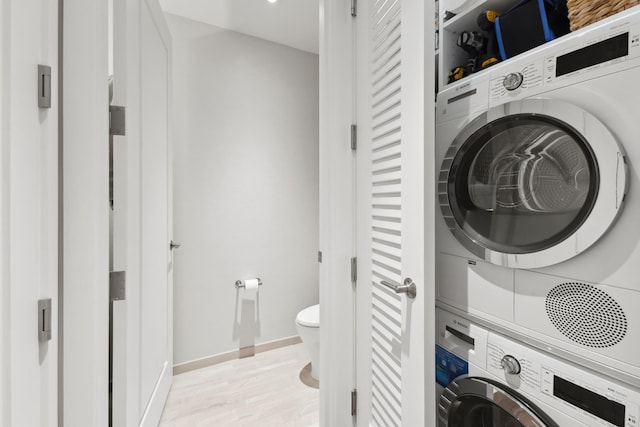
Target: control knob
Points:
(510, 364)
(512, 81)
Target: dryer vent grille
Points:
(586, 314)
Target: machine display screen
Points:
(589, 401)
(597, 53)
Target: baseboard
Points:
(181, 368)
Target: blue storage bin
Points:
(530, 23)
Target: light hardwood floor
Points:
(260, 391)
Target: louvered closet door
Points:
(390, 81)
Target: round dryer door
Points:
(532, 183)
(480, 402)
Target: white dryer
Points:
(538, 229)
(491, 380)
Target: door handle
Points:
(408, 287)
(174, 245)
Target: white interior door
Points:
(142, 218)
(395, 127)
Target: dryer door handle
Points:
(621, 179)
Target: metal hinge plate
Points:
(354, 402)
(354, 269)
(354, 137)
(354, 8)
(44, 320)
(44, 86)
(319, 256)
(116, 120)
(117, 285)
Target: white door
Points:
(395, 337)
(142, 217)
(28, 213)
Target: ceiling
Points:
(292, 23)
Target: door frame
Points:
(85, 340)
(84, 288)
(28, 213)
(337, 213)
(85, 227)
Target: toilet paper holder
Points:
(240, 283)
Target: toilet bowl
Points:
(308, 327)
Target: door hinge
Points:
(117, 285)
(354, 269)
(44, 86)
(354, 137)
(110, 169)
(320, 256)
(116, 120)
(354, 8)
(44, 320)
(354, 402)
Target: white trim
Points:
(5, 367)
(364, 299)
(204, 362)
(126, 216)
(337, 213)
(418, 343)
(86, 222)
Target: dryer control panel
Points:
(612, 46)
(577, 392)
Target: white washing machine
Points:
(494, 381)
(538, 229)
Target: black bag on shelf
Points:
(530, 23)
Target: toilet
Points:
(308, 327)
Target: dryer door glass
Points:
(522, 183)
(481, 402)
(473, 411)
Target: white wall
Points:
(246, 188)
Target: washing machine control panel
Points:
(510, 365)
(524, 78)
(579, 393)
(603, 49)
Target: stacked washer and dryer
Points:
(538, 235)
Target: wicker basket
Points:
(585, 12)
